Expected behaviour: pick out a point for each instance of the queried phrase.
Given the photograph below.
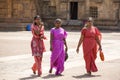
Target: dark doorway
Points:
(73, 10)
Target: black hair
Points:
(37, 16)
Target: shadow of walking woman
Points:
(86, 76)
(30, 77)
(51, 76)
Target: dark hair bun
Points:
(37, 16)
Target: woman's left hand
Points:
(100, 48)
(42, 37)
(66, 49)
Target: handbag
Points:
(66, 56)
(102, 56)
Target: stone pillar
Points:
(119, 11)
(53, 2)
(87, 8)
(9, 3)
(119, 14)
(68, 10)
(57, 4)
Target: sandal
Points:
(34, 72)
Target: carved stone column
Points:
(53, 2)
(117, 12)
(87, 8)
(57, 4)
(9, 4)
(68, 10)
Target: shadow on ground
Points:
(51, 76)
(30, 77)
(86, 76)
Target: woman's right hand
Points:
(77, 50)
(50, 48)
(37, 32)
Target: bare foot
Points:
(34, 72)
(89, 73)
(39, 75)
(50, 71)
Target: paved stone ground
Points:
(16, 59)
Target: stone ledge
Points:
(15, 20)
(13, 26)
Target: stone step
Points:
(96, 22)
(15, 20)
(72, 22)
(13, 26)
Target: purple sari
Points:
(58, 52)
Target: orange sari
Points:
(90, 47)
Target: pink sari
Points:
(37, 46)
(90, 47)
(58, 53)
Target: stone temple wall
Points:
(17, 12)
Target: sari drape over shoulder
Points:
(90, 47)
(58, 53)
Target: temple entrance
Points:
(74, 10)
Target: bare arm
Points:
(65, 43)
(79, 43)
(98, 42)
(51, 37)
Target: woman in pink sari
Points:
(57, 41)
(90, 36)
(37, 44)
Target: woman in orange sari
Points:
(90, 37)
(37, 44)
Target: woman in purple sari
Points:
(57, 41)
